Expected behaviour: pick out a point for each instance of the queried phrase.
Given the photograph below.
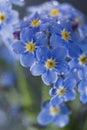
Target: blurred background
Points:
(21, 94)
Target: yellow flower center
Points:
(55, 12)
(30, 47)
(83, 59)
(35, 23)
(65, 35)
(54, 111)
(2, 17)
(61, 91)
(50, 64)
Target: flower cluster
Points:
(52, 43)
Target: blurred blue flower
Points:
(8, 80)
(16, 2)
(15, 110)
(58, 114)
(6, 56)
(8, 18)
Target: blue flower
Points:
(63, 90)
(34, 21)
(80, 61)
(50, 63)
(58, 114)
(45, 8)
(63, 35)
(27, 46)
(8, 18)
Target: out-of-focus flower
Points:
(16, 2)
(58, 114)
(8, 18)
(7, 80)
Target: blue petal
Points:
(59, 53)
(82, 73)
(43, 53)
(45, 118)
(37, 69)
(56, 100)
(55, 41)
(59, 82)
(27, 59)
(55, 28)
(62, 67)
(14, 17)
(41, 39)
(83, 44)
(18, 47)
(61, 120)
(52, 91)
(26, 35)
(85, 72)
(83, 98)
(82, 86)
(18, 2)
(44, 27)
(70, 95)
(45, 105)
(64, 109)
(74, 50)
(49, 77)
(70, 83)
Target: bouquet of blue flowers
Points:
(52, 43)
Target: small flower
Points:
(8, 18)
(27, 46)
(58, 114)
(63, 90)
(34, 22)
(80, 61)
(50, 63)
(63, 35)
